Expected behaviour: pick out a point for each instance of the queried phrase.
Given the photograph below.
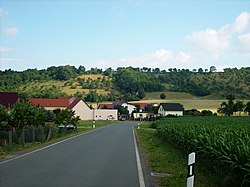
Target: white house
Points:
(129, 107)
(83, 110)
(170, 109)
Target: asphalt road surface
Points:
(103, 158)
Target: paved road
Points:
(103, 158)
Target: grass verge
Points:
(167, 159)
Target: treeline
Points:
(130, 83)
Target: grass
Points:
(166, 158)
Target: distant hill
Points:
(96, 85)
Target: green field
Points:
(221, 143)
(187, 100)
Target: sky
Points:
(163, 34)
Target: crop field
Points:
(222, 143)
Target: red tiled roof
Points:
(142, 105)
(8, 98)
(109, 105)
(60, 102)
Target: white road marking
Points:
(48, 146)
(140, 173)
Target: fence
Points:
(8, 138)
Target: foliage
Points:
(4, 116)
(247, 109)
(229, 108)
(131, 83)
(122, 110)
(135, 83)
(25, 114)
(163, 96)
(66, 117)
(222, 142)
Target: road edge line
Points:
(51, 145)
(139, 168)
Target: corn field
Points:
(221, 142)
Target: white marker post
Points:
(190, 177)
(93, 124)
(138, 126)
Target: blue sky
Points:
(138, 33)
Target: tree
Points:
(200, 70)
(3, 116)
(239, 107)
(227, 108)
(163, 96)
(212, 69)
(66, 117)
(247, 108)
(122, 110)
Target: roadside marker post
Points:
(190, 176)
(138, 126)
(93, 124)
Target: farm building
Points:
(79, 106)
(170, 109)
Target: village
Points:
(104, 111)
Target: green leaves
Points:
(223, 142)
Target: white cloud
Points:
(209, 40)
(11, 31)
(215, 43)
(3, 13)
(244, 43)
(6, 49)
(161, 58)
(5, 60)
(242, 22)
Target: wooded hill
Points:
(125, 83)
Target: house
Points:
(143, 105)
(8, 98)
(122, 103)
(140, 115)
(129, 107)
(170, 109)
(86, 113)
(79, 106)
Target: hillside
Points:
(129, 83)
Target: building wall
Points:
(139, 115)
(176, 113)
(82, 110)
(85, 113)
(161, 111)
(105, 114)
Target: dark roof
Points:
(117, 103)
(74, 103)
(172, 106)
(8, 98)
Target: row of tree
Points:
(230, 107)
(24, 115)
